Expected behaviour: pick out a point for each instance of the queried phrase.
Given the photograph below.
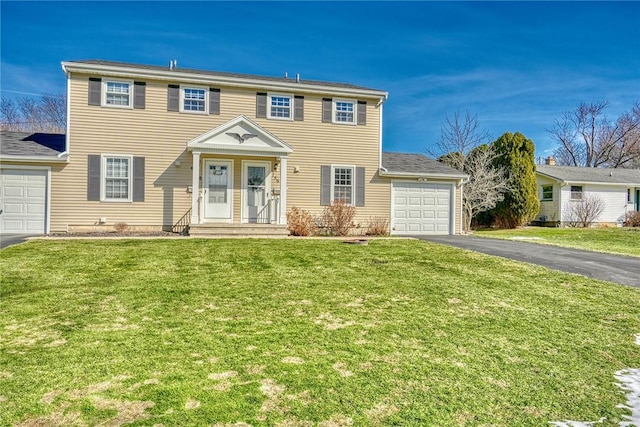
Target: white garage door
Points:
(23, 197)
(420, 208)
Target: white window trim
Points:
(542, 198)
(355, 111)
(291, 106)
(103, 177)
(104, 94)
(206, 99)
(353, 182)
(581, 192)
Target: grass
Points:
(302, 333)
(624, 241)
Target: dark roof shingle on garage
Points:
(409, 163)
(31, 145)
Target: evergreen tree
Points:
(515, 153)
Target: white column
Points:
(195, 187)
(283, 191)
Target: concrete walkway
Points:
(613, 268)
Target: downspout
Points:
(380, 105)
(66, 139)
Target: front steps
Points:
(238, 230)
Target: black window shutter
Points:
(325, 185)
(261, 105)
(360, 186)
(173, 98)
(138, 179)
(93, 178)
(95, 91)
(362, 112)
(214, 101)
(139, 95)
(298, 108)
(327, 106)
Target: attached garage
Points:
(421, 208)
(425, 194)
(23, 201)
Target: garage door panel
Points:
(421, 208)
(23, 200)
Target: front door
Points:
(218, 176)
(255, 179)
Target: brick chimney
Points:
(550, 161)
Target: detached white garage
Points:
(23, 201)
(421, 208)
(425, 194)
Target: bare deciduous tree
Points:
(587, 138)
(46, 114)
(583, 212)
(463, 146)
(487, 184)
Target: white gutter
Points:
(460, 177)
(187, 77)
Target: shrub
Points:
(378, 226)
(337, 218)
(120, 227)
(582, 213)
(632, 219)
(300, 222)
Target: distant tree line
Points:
(47, 113)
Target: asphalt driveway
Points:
(8, 239)
(613, 268)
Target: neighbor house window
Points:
(117, 93)
(280, 106)
(576, 192)
(194, 99)
(344, 111)
(629, 196)
(342, 188)
(547, 192)
(117, 178)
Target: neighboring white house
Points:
(560, 186)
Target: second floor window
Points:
(194, 99)
(117, 93)
(344, 111)
(280, 106)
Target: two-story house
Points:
(158, 147)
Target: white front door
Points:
(256, 192)
(218, 190)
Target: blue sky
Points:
(516, 65)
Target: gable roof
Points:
(228, 139)
(595, 175)
(32, 146)
(124, 69)
(408, 164)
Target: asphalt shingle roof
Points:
(29, 144)
(579, 174)
(223, 74)
(416, 163)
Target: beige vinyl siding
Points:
(457, 210)
(548, 208)
(161, 137)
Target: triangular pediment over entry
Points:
(240, 136)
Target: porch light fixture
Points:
(422, 179)
(276, 166)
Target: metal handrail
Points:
(182, 226)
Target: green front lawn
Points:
(625, 241)
(304, 333)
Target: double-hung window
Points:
(194, 99)
(280, 107)
(117, 93)
(547, 193)
(576, 192)
(343, 180)
(116, 178)
(344, 111)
